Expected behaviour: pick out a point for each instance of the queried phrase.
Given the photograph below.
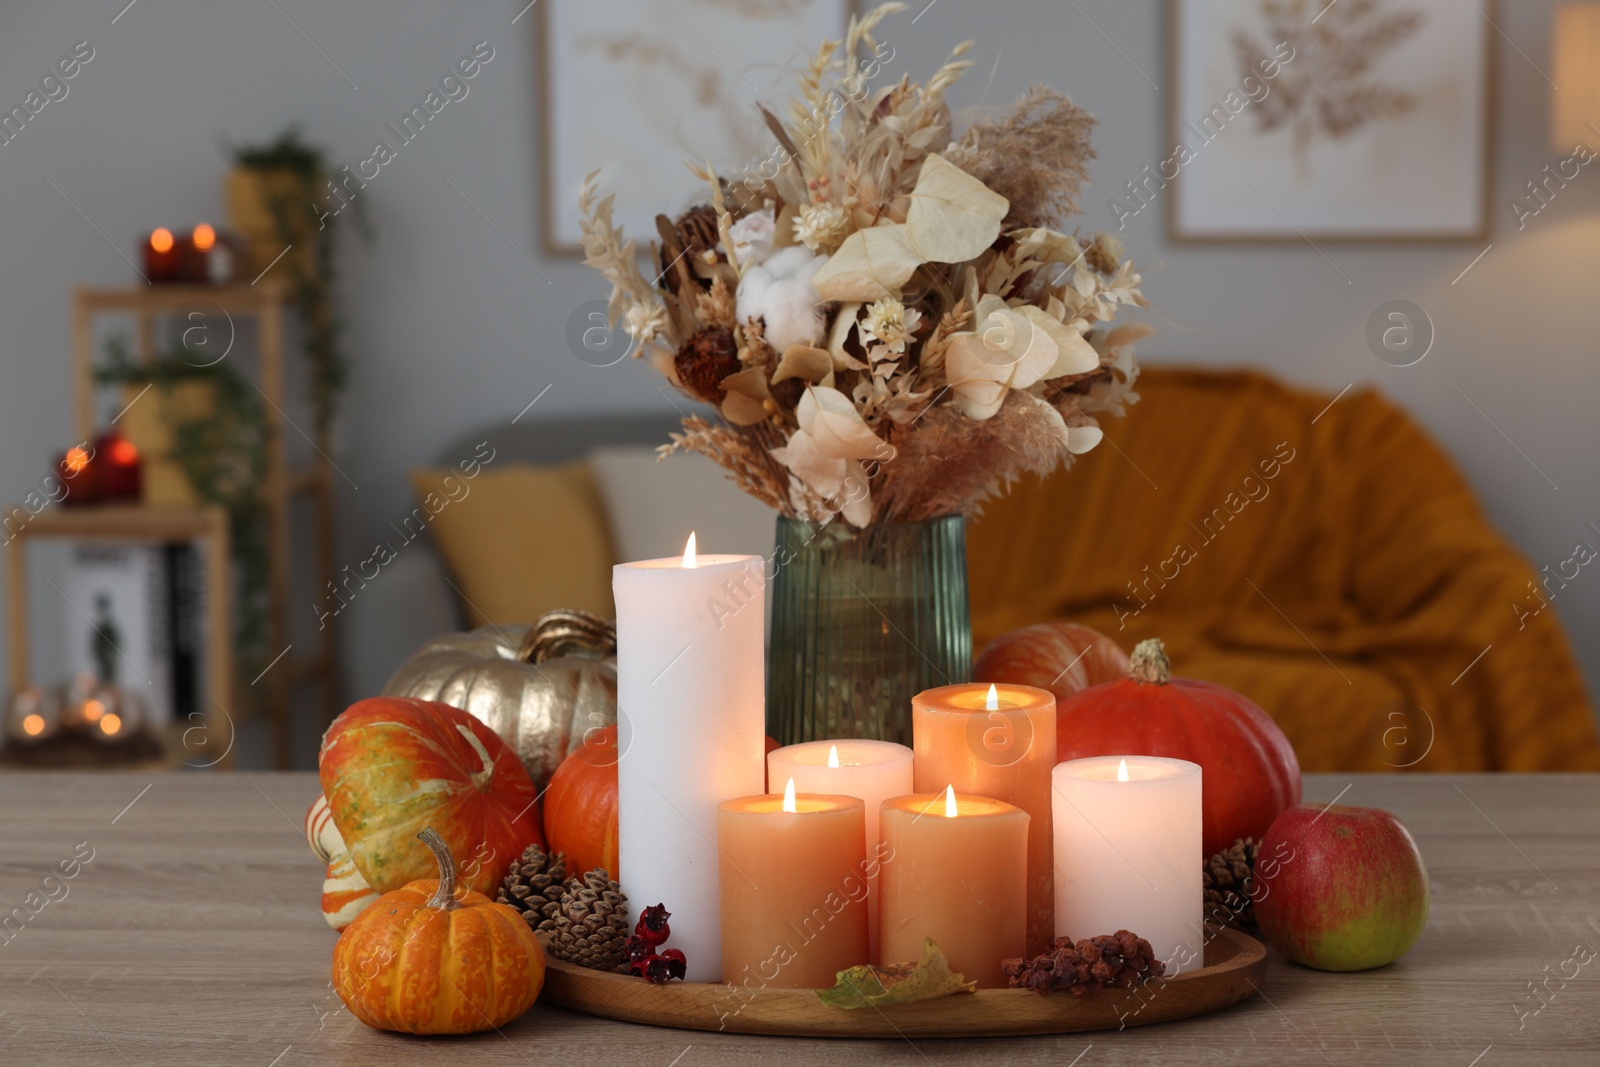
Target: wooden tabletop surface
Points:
(189, 933)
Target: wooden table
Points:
(193, 937)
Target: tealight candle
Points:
(871, 770)
(794, 891)
(954, 869)
(691, 730)
(996, 741)
(1127, 847)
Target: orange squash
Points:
(1063, 657)
(580, 807)
(426, 959)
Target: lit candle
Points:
(954, 869)
(871, 770)
(794, 898)
(691, 713)
(996, 741)
(1127, 847)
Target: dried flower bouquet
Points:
(890, 321)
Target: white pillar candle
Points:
(1127, 853)
(871, 770)
(691, 727)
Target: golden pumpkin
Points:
(428, 959)
(541, 688)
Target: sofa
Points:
(1320, 555)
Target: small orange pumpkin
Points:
(580, 807)
(468, 963)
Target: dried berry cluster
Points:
(649, 934)
(1088, 966)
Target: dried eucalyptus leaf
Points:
(871, 264)
(953, 216)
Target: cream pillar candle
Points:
(1127, 853)
(871, 770)
(794, 900)
(691, 727)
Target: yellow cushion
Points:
(519, 540)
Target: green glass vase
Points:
(862, 621)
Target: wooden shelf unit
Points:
(266, 301)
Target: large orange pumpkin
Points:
(1063, 657)
(1249, 772)
(426, 959)
(580, 807)
(391, 766)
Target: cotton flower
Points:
(752, 237)
(780, 293)
(825, 453)
(822, 227)
(888, 323)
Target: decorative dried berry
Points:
(677, 965)
(653, 926)
(637, 949)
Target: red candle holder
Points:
(80, 470)
(121, 467)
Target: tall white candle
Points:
(871, 770)
(691, 726)
(1127, 853)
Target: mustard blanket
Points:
(1323, 557)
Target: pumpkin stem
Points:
(558, 633)
(444, 898)
(1149, 662)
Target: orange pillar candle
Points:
(954, 869)
(1000, 742)
(794, 889)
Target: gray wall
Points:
(452, 326)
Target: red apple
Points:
(1062, 657)
(1340, 888)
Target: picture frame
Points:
(627, 84)
(1400, 152)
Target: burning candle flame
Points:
(204, 237)
(161, 240)
(788, 796)
(688, 553)
(833, 755)
(1122, 770)
(950, 801)
(992, 701)
(110, 723)
(93, 709)
(33, 725)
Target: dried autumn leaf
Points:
(953, 216)
(900, 983)
(1075, 355)
(871, 264)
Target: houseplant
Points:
(892, 327)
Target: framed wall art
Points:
(627, 84)
(1356, 120)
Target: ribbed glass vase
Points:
(862, 621)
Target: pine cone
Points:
(1227, 882)
(704, 360)
(591, 925)
(534, 886)
(697, 229)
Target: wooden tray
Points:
(1235, 969)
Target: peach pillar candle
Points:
(954, 869)
(871, 770)
(1128, 857)
(996, 741)
(794, 896)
